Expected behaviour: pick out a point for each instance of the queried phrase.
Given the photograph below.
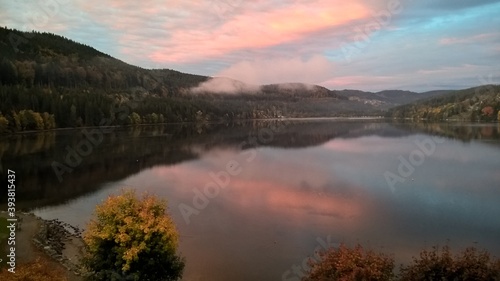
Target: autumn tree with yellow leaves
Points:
(132, 239)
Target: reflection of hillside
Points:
(22, 144)
(291, 134)
(308, 133)
(124, 152)
(119, 155)
(464, 132)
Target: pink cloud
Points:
(253, 28)
(281, 70)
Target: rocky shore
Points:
(62, 242)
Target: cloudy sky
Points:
(360, 44)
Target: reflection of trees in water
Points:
(21, 144)
(126, 151)
(464, 132)
(122, 152)
(25, 144)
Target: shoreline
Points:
(368, 117)
(57, 241)
(194, 122)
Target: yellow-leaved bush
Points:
(132, 238)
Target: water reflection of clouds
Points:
(367, 145)
(278, 185)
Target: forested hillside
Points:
(473, 104)
(48, 81)
(44, 59)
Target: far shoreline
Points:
(334, 118)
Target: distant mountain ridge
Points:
(389, 98)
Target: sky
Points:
(360, 44)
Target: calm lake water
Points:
(253, 200)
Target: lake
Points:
(253, 200)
